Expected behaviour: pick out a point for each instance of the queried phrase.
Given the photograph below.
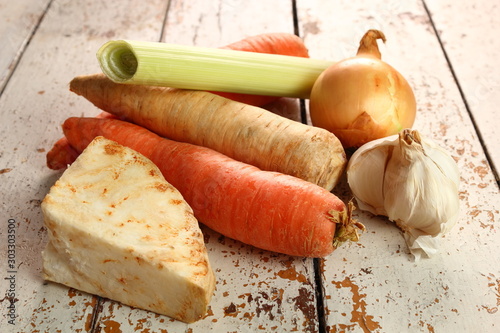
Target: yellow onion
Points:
(362, 98)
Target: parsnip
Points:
(246, 133)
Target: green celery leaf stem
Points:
(212, 69)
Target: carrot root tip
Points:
(347, 227)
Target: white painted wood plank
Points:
(468, 30)
(18, 19)
(220, 22)
(376, 286)
(34, 103)
(262, 291)
(256, 290)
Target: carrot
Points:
(272, 43)
(243, 132)
(62, 153)
(268, 210)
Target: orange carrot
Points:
(246, 133)
(62, 153)
(268, 210)
(272, 43)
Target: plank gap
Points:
(318, 283)
(165, 18)
(23, 47)
(94, 322)
(303, 111)
(320, 304)
(296, 31)
(295, 16)
(487, 154)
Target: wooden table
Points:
(446, 49)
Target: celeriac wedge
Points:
(117, 229)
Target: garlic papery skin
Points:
(412, 181)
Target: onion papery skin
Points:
(361, 99)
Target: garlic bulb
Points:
(413, 182)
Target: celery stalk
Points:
(212, 69)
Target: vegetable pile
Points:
(247, 173)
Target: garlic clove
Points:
(363, 165)
(442, 159)
(417, 192)
(413, 182)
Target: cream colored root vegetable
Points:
(246, 133)
(117, 229)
